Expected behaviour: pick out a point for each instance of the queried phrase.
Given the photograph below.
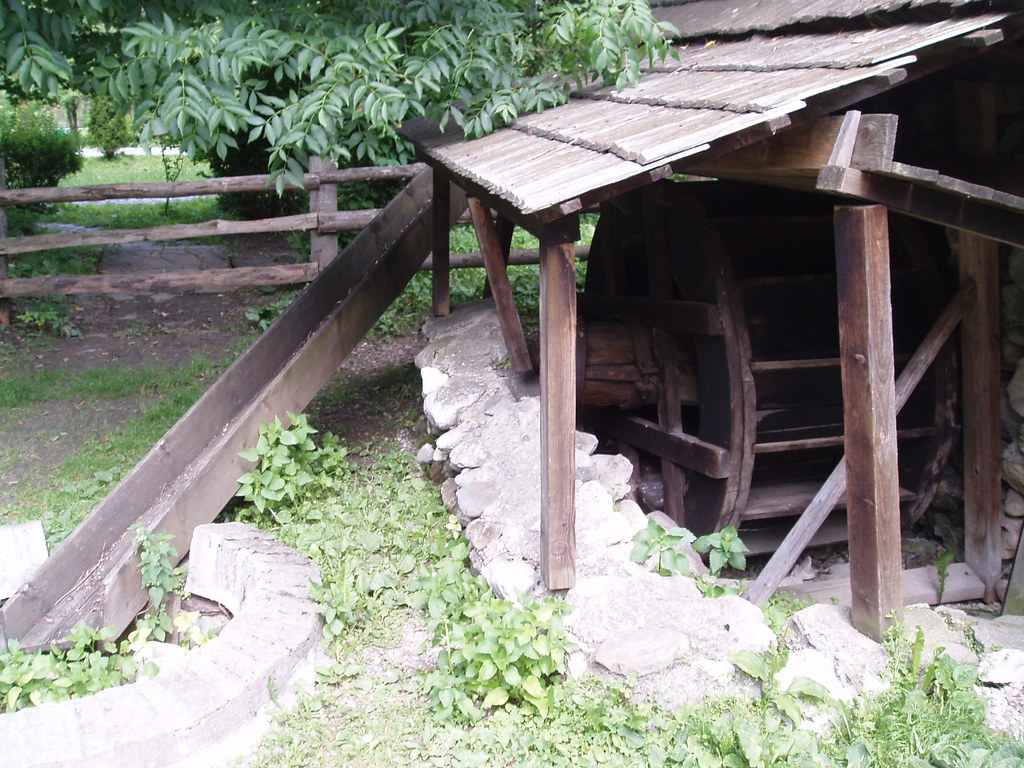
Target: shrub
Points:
(38, 155)
(108, 126)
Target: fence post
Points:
(5, 303)
(323, 248)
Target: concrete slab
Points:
(22, 550)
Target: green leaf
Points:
(753, 664)
(496, 697)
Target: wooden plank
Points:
(950, 209)
(152, 282)
(678, 447)
(475, 259)
(506, 229)
(680, 316)
(190, 473)
(323, 248)
(835, 486)
(497, 277)
(297, 223)
(982, 446)
(220, 186)
(866, 350)
(920, 585)
(5, 303)
(440, 266)
(805, 444)
(785, 499)
(558, 404)
(1013, 601)
(767, 537)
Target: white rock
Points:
(433, 379)
(510, 579)
(586, 442)
(642, 652)
(1011, 528)
(614, 472)
(1002, 667)
(817, 666)
(425, 454)
(577, 665)
(1013, 504)
(1013, 467)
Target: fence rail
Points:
(324, 223)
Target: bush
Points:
(108, 126)
(38, 155)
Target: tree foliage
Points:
(334, 78)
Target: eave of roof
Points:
(711, 99)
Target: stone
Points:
(510, 579)
(586, 442)
(1013, 467)
(442, 407)
(1015, 389)
(1003, 667)
(614, 472)
(1015, 265)
(828, 628)
(802, 571)
(937, 634)
(1013, 504)
(452, 437)
(642, 652)
(1003, 632)
(425, 455)
(1011, 528)
(697, 567)
(1013, 302)
(433, 379)
(636, 520)
(949, 495)
(22, 550)
(584, 466)
(817, 666)
(474, 499)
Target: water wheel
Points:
(710, 346)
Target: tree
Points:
(108, 126)
(334, 78)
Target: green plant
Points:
(261, 317)
(160, 578)
(764, 667)
(51, 316)
(108, 126)
(37, 154)
(942, 564)
(669, 547)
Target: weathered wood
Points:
(506, 229)
(151, 282)
(558, 404)
(1013, 601)
(497, 277)
(190, 473)
(866, 350)
(516, 256)
(440, 258)
(834, 488)
(805, 148)
(297, 223)
(678, 447)
(931, 203)
(920, 585)
(323, 248)
(679, 316)
(786, 499)
(346, 221)
(219, 186)
(982, 446)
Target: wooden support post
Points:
(869, 397)
(323, 248)
(497, 278)
(670, 415)
(5, 303)
(505, 228)
(558, 403)
(440, 285)
(979, 261)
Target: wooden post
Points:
(505, 229)
(5, 303)
(558, 403)
(869, 398)
(979, 261)
(323, 248)
(497, 277)
(440, 285)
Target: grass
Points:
(132, 169)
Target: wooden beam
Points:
(505, 228)
(979, 262)
(834, 488)
(869, 397)
(803, 150)
(675, 446)
(5, 303)
(558, 403)
(153, 282)
(920, 585)
(323, 248)
(497, 278)
(516, 256)
(220, 186)
(681, 316)
(440, 280)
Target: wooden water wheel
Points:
(718, 302)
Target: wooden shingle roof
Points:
(709, 100)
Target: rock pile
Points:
(627, 620)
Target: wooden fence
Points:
(324, 222)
